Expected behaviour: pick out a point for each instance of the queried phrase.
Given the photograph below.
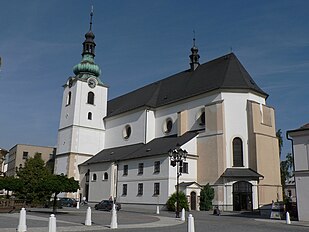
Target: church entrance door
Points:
(242, 196)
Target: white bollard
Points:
(88, 217)
(183, 215)
(288, 220)
(114, 224)
(22, 227)
(158, 210)
(191, 223)
(52, 223)
(77, 206)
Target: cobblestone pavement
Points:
(70, 219)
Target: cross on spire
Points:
(91, 14)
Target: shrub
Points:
(183, 202)
(207, 195)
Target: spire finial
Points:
(194, 57)
(91, 14)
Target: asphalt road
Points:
(130, 220)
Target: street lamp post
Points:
(177, 157)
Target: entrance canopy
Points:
(241, 173)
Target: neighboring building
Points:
(21, 152)
(3, 153)
(215, 111)
(290, 189)
(3, 165)
(300, 146)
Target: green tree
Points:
(280, 141)
(10, 183)
(60, 183)
(286, 167)
(183, 202)
(207, 195)
(32, 176)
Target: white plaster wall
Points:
(302, 187)
(185, 177)
(116, 125)
(64, 140)
(301, 152)
(61, 165)
(148, 179)
(193, 107)
(87, 140)
(82, 108)
(100, 189)
(77, 133)
(151, 125)
(236, 123)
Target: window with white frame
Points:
(156, 189)
(140, 169)
(183, 167)
(94, 177)
(124, 189)
(125, 170)
(156, 167)
(140, 189)
(105, 176)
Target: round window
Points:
(126, 131)
(168, 126)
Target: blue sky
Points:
(138, 42)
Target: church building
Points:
(214, 111)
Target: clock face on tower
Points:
(92, 82)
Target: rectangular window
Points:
(25, 155)
(140, 189)
(184, 167)
(156, 189)
(156, 167)
(124, 189)
(125, 170)
(289, 193)
(140, 169)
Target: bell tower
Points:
(81, 131)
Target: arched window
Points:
(89, 116)
(237, 152)
(105, 176)
(90, 99)
(94, 177)
(69, 96)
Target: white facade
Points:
(105, 144)
(301, 169)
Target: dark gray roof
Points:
(186, 184)
(241, 173)
(302, 128)
(156, 146)
(222, 73)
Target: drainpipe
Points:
(288, 138)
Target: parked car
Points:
(68, 202)
(107, 205)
